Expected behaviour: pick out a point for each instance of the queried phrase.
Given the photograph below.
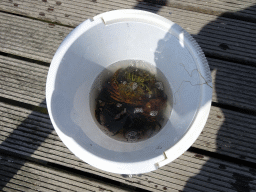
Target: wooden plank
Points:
(34, 176)
(218, 36)
(40, 43)
(25, 81)
(22, 132)
(231, 82)
(226, 132)
(234, 8)
(231, 139)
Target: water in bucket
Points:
(129, 100)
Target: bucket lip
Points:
(124, 15)
(146, 17)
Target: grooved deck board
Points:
(36, 177)
(25, 81)
(237, 9)
(234, 8)
(218, 36)
(31, 134)
(226, 132)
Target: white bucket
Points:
(128, 35)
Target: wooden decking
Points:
(33, 158)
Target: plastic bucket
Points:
(124, 35)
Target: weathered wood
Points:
(39, 44)
(233, 84)
(33, 176)
(226, 132)
(229, 133)
(218, 36)
(23, 133)
(25, 81)
(234, 8)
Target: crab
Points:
(132, 102)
